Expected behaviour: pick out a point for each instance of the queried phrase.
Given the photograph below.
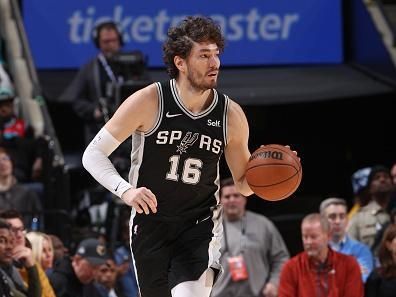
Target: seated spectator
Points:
(60, 251)
(318, 270)
(371, 218)
(10, 254)
(335, 211)
(74, 277)
(16, 196)
(393, 173)
(19, 139)
(42, 249)
(107, 280)
(123, 259)
(392, 203)
(14, 218)
(382, 281)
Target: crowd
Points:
(255, 259)
(34, 263)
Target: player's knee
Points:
(208, 276)
(198, 288)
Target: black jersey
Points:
(178, 159)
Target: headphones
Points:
(106, 25)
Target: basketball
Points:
(273, 172)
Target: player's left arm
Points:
(237, 153)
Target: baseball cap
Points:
(92, 250)
(360, 179)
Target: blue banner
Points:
(258, 32)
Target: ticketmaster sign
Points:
(258, 32)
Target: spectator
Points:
(318, 270)
(371, 218)
(393, 173)
(14, 218)
(380, 233)
(335, 211)
(382, 281)
(42, 249)
(16, 196)
(88, 90)
(60, 251)
(74, 277)
(10, 254)
(107, 280)
(251, 242)
(392, 202)
(122, 256)
(360, 190)
(19, 139)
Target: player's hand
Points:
(141, 199)
(288, 146)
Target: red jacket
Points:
(340, 277)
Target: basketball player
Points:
(180, 128)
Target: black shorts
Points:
(167, 254)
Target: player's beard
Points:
(198, 82)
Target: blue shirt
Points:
(360, 251)
(128, 280)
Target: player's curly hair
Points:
(180, 39)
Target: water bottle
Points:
(35, 224)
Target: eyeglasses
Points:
(16, 230)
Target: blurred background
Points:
(319, 76)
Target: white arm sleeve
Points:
(95, 160)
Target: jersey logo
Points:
(116, 188)
(168, 115)
(213, 123)
(187, 141)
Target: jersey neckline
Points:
(179, 102)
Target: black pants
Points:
(167, 254)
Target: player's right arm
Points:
(137, 113)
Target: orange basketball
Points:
(273, 172)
